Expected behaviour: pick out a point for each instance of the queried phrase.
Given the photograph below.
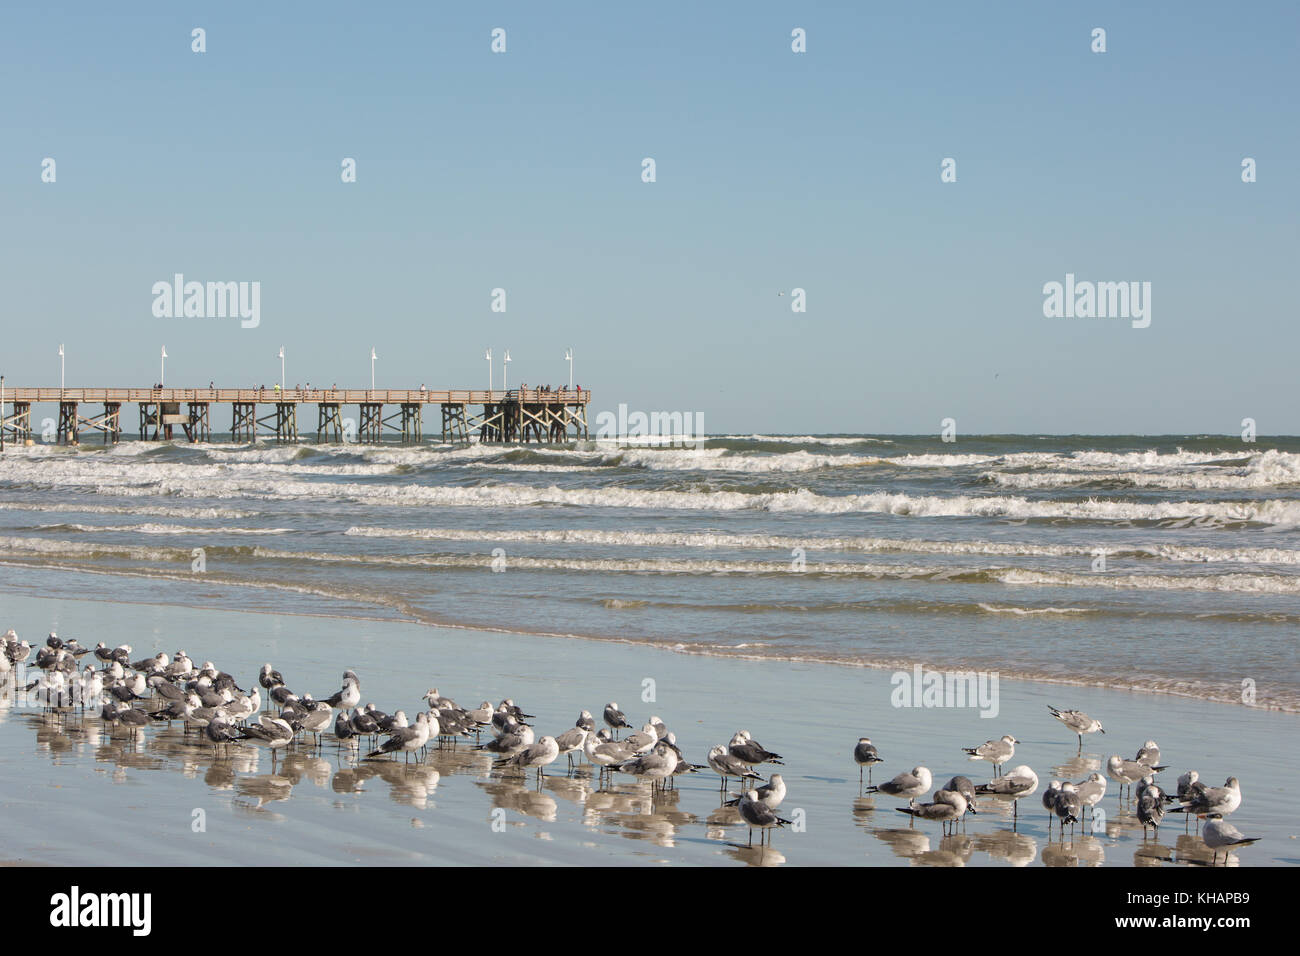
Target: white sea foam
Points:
(286, 488)
(715, 540)
(1223, 582)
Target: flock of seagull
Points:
(1064, 801)
(174, 688)
(211, 701)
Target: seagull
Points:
(948, 807)
(320, 717)
(758, 814)
(906, 785)
(605, 753)
(725, 765)
(772, 793)
(343, 728)
(269, 678)
(538, 755)
(348, 696)
(1020, 782)
(864, 754)
(1189, 786)
(655, 765)
(615, 718)
(1219, 834)
(220, 732)
(965, 787)
(1091, 790)
(1150, 808)
(1126, 771)
(571, 741)
(1068, 807)
(272, 731)
(132, 718)
(1220, 801)
(641, 741)
(1079, 722)
(1186, 783)
(363, 725)
(996, 752)
(515, 737)
(1049, 802)
(405, 739)
(747, 750)
(1149, 754)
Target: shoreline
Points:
(323, 808)
(678, 647)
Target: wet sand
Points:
(76, 793)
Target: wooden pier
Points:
(497, 416)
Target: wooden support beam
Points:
(329, 422)
(19, 424)
(67, 433)
(284, 421)
(372, 423)
(243, 426)
(454, 425)
(199, 427)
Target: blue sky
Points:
(775, 171)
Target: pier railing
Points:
(504, 415)
(344, 396)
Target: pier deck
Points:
(497, 415)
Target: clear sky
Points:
(775, 171)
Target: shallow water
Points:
(118, 799)
(856, 549)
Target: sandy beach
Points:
(141, 800)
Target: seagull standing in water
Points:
(1091, 791)
(1221, 835)
(605, 753)
(1049, 803)
(1067, 807)
(1126, 772)
(1150, 808)
(864, 755)
(756, 813)
(1149, 754)
(772, 793)
(571, 741)
(1213, 801)
(996, 752)
(1020, 782)
(725, 765)
(748, 750)
(404, 739)
(538, 755)
(1079, 722)
(906, 786)
(656, 765)
(948, 807)
(615, 718)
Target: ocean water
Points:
(1165, 564)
